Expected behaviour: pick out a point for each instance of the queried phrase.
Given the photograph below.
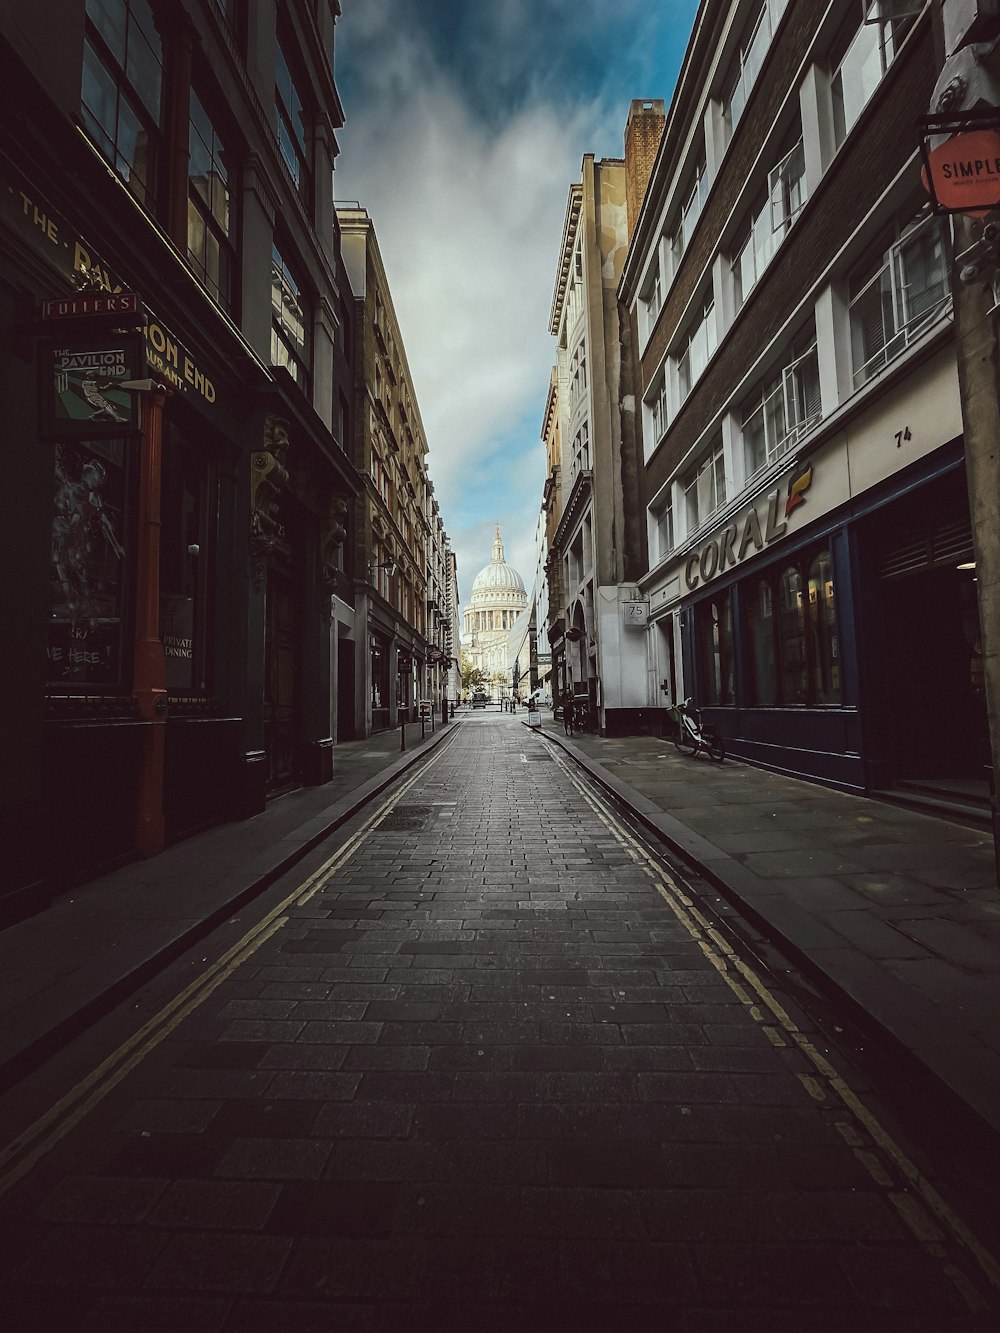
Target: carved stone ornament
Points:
(268, 478)
(333, 530)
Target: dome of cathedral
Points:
(498, 576)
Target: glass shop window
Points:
(184, 562)
(88, 633)
(714, 631)
(761, 619)
(792, 631)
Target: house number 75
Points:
(902, 435)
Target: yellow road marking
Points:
(24, 1151)
(687, 915)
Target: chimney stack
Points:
(643, 131)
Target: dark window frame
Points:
(226, 237)
(295, 148)
(120, 52)
(294, 294)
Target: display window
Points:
(88, 566)
(714, 629)
(792, 633)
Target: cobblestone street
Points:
(490, 1068)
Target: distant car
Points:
(479, 699)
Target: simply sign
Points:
(962, 175)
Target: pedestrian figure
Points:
(568, 713)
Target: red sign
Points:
(86, 307)
(965, 173)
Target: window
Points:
(293, 136)
(209, 204)
(861, 56)
(762, 652)
(893, 299)
(290, 322)
(704, 488)
(658, 412)
(714, 634)
(122, 90)
(652, 296)
(578, 376)
(787, 188)
(701, 342)
(754, 253)
(693, 204)
(783, 410)
(663, 517)
(581, 449)
(750, 57)
(792, 627)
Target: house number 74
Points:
(902, 435)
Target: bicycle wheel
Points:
(713, 744)
(685, 742)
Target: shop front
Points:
(845, 649)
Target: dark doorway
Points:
(346, 685)
(937, 711)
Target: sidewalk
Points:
(99, 941)
(898, 912)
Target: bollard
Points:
(402, 734)
(423, 726)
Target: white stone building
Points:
(498, 599)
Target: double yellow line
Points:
(24, 1151)
(930, 1223)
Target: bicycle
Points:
(692, 736)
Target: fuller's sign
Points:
(762, 524)
(91, 306)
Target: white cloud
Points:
(468, 216)
(466, 125)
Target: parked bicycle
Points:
(692, 735)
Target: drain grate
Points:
(405, 818)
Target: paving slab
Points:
(95, 943)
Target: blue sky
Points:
(467, 121)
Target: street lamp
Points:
(389, 567)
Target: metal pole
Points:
(402, 733)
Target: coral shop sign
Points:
(762, 524)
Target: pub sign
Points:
(89, 386)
